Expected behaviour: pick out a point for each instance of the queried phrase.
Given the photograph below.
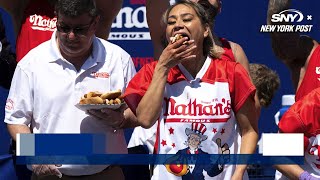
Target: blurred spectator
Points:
(303, 117)
(7, 58)
(266, 81)
(7, 66)
(34, 21)
(300, 53)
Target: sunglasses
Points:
(81, 30)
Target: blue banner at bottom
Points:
(141, 159)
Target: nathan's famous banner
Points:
(130, 31)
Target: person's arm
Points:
(14, 129)
(291, 48)
(240, 57)
(15, 8)
(149, 107)
(19, 107)
(291, 171)
(292, 122)
(247, 120)
(131, 120)
(155, 10)
(39, 169)
(108, 11)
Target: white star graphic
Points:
(309, 17)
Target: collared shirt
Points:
(46, 87)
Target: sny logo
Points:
(289, 15)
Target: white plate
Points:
(86, 107)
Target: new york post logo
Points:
(288, 17)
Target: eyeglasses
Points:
(82, 30)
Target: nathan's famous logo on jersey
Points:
(218, 108)
(285, 22)
(42, 24)
(130, 24)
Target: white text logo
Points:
(284, 20)
(289, 15)
(42, 24)
(130, 18)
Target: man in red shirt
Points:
(301, 54)
(34, 21)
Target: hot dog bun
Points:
(111, 94)
(93, 94)
(92, 100)
(96, 97)
(175, 38)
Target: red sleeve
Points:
(241, 87)
(291, 122)
(138, 86)
(303, 117)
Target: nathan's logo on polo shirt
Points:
(100, 74)
(215, 107)
(9, 104)
(42, 24)
(131, 22)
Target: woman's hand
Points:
(46, 170)
(177, 52)
(113, 117)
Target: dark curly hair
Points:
(203, 16)
(212, 10)
(266, 81)
(74, 8)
